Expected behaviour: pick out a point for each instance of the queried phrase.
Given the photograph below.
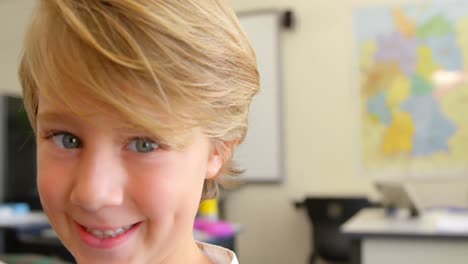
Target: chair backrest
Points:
(327, 214)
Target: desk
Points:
(12, 225)
(377, 239)
(22, 234)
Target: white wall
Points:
(14, 15)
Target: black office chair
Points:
(326, 215)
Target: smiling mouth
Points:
(108, 233)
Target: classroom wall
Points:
(319, 126)
(321, 133)
(13, 20)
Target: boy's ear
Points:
(222, 152)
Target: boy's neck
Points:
(189, 252)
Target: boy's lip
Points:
(88, 235)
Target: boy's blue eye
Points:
(66, 140)
(143, 145)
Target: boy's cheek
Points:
(52, 183)
(166, 191)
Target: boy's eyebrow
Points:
(54, 116)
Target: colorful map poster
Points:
(413, 82)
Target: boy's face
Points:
(114, 195)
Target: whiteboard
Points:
(261, 155)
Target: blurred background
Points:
(369, 111)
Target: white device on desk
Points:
(397, 195)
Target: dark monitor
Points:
(18, 147)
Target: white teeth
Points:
(109, 232)
(97, 233)
(101, 234)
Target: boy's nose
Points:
(98, 180)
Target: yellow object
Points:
(209, 209)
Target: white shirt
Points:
(217, 254)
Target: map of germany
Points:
(413, 88)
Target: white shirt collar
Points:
(217, 254)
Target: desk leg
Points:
(356, 251)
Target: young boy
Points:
(137, 107)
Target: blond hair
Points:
(187, 60)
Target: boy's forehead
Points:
(78, 106)
(90, 109)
